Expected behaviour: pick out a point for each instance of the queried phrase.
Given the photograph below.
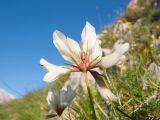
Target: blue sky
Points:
(26, 28)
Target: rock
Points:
(156, 43)
(5, 97)
(109, 29)
(121, 28)
(133, 4)
(106, 30)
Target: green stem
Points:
(101, 109)
(107, 77)
(123, 113)
(90, 95)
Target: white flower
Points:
(154, 70)
(107, 51)
(59, 100)
(86, 57)
(115, 55)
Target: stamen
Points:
(73, 68)
(83, 55)
(81, 65)
(87, 63)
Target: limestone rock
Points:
(5, 97)
(133, 4)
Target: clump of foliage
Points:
(132, 15)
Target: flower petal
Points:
(91, 81)
(113, 58)
(90, 44)
(101, 87)
(74, 80)
(66, 96)
(46, 65)
(91, 78)
(68, 48)
(59, 41)
(106, 93)
(88, 37)
(59, 100)
(95, 54)
(122, 60)
(53, 99)
(107, 51)
(120, 45)
(109, 60)
(74, 48)
(54, 72)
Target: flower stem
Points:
(90, 95)
(101, 109)
(125, 114)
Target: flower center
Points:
(84, 64)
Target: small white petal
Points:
(54, 75)
(46, 65)
(54, 72)
(88, 37)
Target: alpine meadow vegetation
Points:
(112, 75)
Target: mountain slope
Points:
(32, 106)
(5, 97)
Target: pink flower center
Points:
(84, 64)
